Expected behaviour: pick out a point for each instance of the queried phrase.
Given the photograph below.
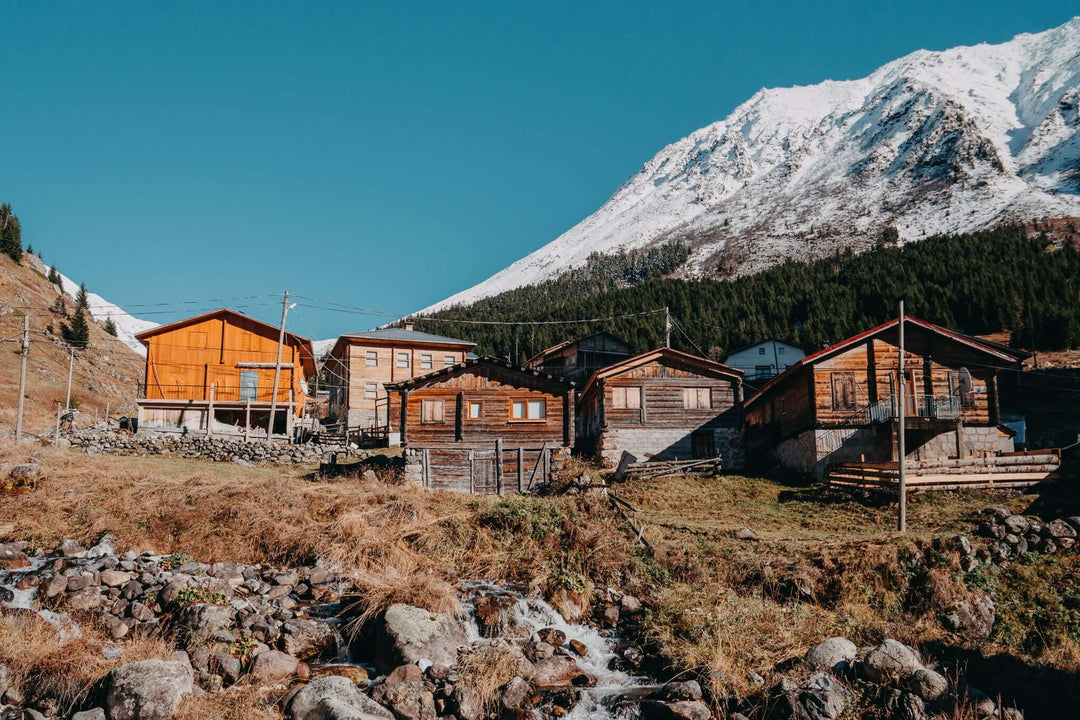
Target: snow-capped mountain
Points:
(934, 142)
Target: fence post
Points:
(498, 465)
(521, 467)
(56, 433)
(108, 407)
(247, 420)
(210, 414)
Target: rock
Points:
(117, 628)
(306, 639)
(407, 635)
(1073, 520)
(470, 706)
(611, 615)
(26, 475)
(334, 698)
(368, 477)
(516, 694)
(908, 706)
(556, 671)
(70, 548)
(980, 703)
(114, 578)
(227, 664)
(684, 690)
(355, 673)
(745, 534)
(630, 605)
(273, 666)
(579, 647)
(12, 558)
(1016, 524)
(1059, 529)
(629, 655)
(552, 636)
(963, 546)
(147, 690)
(819, 697)
(403, 673)
(834, 654)
(54, 586)
(5, 679)
(974, 617)
(890, 660)
(92, 714)
(407, 701)
(680, 710)
(931, 686)
(203, 621)
(89, 598)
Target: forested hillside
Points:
(1002, 279)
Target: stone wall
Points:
(668, 444)
(203, 448)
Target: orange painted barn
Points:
(221, 365)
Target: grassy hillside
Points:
(106, 372)
(979, 283)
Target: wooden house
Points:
(840, 404)
(764, 360)
(577, 359)
(484, 426)
(360, 365)
(220, 366)
(664, 404)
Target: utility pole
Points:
(22, 376)
(902, 451)
(71, 366)
(667, 327)
(277, 366)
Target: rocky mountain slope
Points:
(935, 142)
(105, 374)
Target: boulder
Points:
(334, 698)
(973, 617)
(890, 660)
(307, 639)
(552, 636)
(147, 690)
(407, 635)
(579, 648)
(556, 671)
(819, 697)
(91, 714)
(11, 558)
(114, 578)
(931, 686)
(203, 621)
(470, 706)
(26, 475)
(684, 690)
(403, 673)
(1016, 524)
(679, 710)
(630, 605)
(908, 706)
(834, 654)
(89, 598)
(352, 672)
(70, 548)
(1059, 529)
(516, 694)
(407, 701)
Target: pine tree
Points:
(54, 277)
(77, 332)
(10, 233)
(59, 306)
(81, 300)
(110, 327)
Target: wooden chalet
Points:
(577, 359)
(840, 404)
(361, 364)
(484, 426)
(215, 372)
(664, 405)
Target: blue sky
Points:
(384, 155)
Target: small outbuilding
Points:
(577, 359)
(664, 405)
(484, 426)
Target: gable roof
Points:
(402, 335)
(486, 361)
(998, 352)
(307, 354)
(665, 353)
(762, 342)
(567, 343)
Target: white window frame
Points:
(626, 398)
(449, 360)
(531, 410)
(477, 405)
(432, 403)
(371, 358)
(371, 391)
(697, 398)
(403, 360)
(427, 361)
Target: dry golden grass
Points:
(486, 669)
(43, 665)
(377, 591)
(239, 702)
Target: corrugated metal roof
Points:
(408, 336)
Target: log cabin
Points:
(840, 404)
(361, 364)
(664, 405)
(220, 366)
(484, 426)
(577, 359)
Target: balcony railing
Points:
(934, 407)
(223, 392)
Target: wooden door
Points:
(702, 444)
(484, 480)
(911, 395)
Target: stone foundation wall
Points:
(668, 444)
(200, 447)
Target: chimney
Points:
(407, 323)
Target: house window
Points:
(425, 362)
(697, 398)
(476, 410)
(614, 347)
(626, 398)
(843, 391)
(449, 360)
(779, 351)
(762, 371)
(249, 384)
(371, 391)
(528, 410)
(403, 359)
(592, 342)
(371, 358)
(761, 350)
(431, 411)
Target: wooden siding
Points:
(662, 386)
(184, 362)
(495, 391)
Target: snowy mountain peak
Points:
(934, 142)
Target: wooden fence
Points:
(1012, 470)
(493, 470)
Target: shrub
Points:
(198, 595)
(376, 592)
(175, 560)
(536, 518)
